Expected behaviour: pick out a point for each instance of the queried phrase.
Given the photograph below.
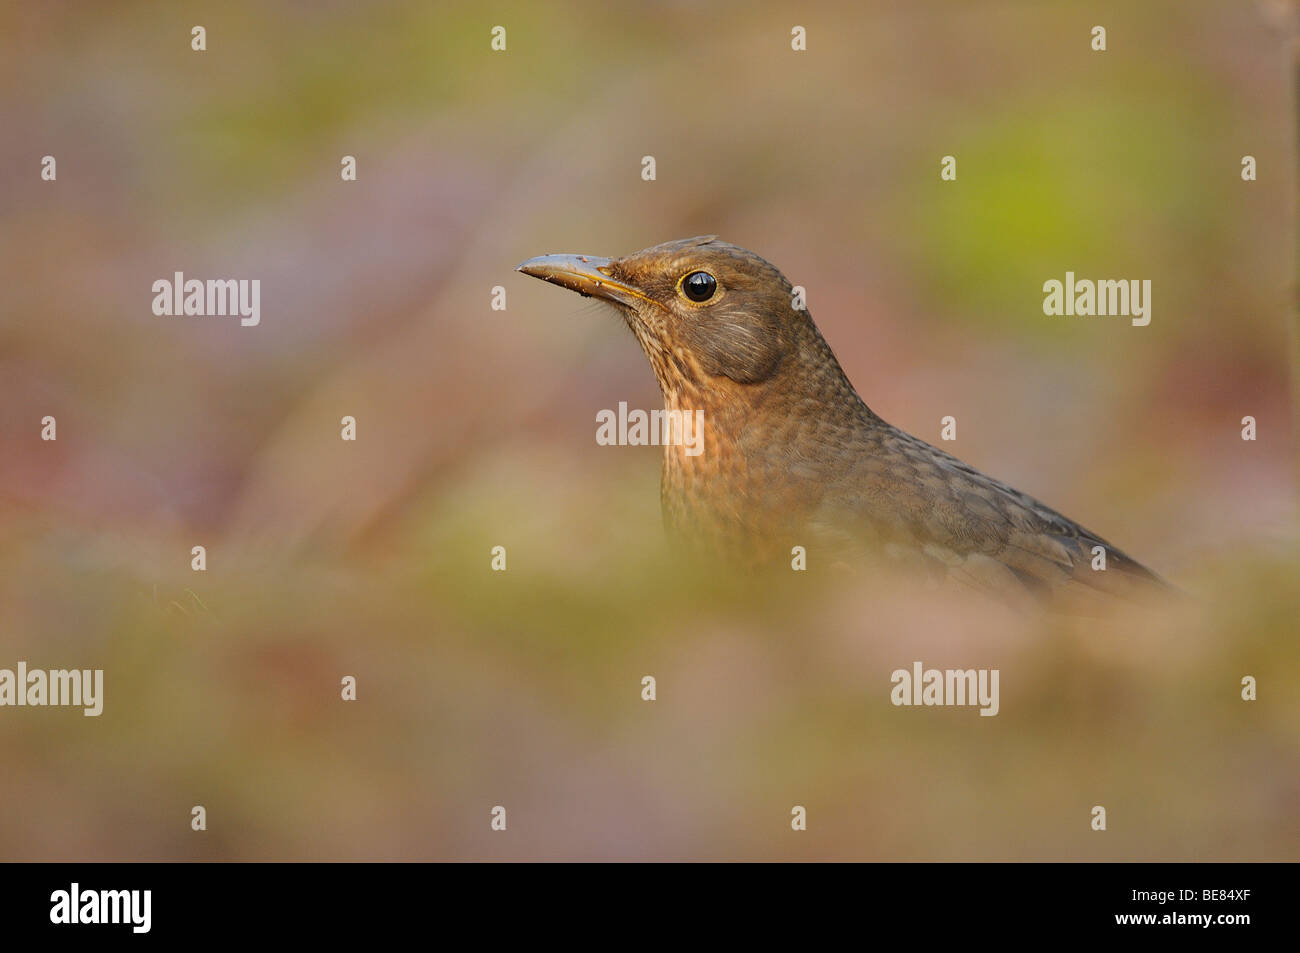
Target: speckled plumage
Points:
(793, 456)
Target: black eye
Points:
(699, 286)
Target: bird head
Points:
(709, 315)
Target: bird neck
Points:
(751, 474)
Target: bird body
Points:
(792, 454)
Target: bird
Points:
(793, 456)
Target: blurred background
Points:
(476, 428)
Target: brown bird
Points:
(793, 456)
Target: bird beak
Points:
(588, 275)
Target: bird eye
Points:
(699, 286)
